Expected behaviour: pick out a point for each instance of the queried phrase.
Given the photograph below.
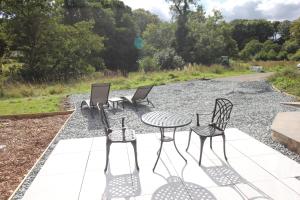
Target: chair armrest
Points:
(198, 117)
(205, 113)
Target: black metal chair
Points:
(219, 121)
(121, 135)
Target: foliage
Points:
(181, 9)
(211, 38)
(168, 59)
(143, 18)
(49, 50)
(287, 80)
(295, 56)
(295, 30)
(158, 37)
(291, 46)
(244, 30)
(284, 30)
(251, 49)
(148, 64)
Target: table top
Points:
(164, 119)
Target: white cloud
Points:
(158, 7)
(231, 9)
(256, 9)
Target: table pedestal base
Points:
(163, 139)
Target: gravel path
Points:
(255, 106)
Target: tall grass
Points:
(134, 79)
(288, 80)
(44, 97)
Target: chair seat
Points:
(117, 135)
(207, 131)
(127, 98)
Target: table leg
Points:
(176, 146)
(160, 148)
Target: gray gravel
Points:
(255, 106)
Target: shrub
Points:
(295, 56)
(282, 55)
(271, 55)
(291, 46)
(262, 55)
(168, 59)
(148, 64)
(251, 48)
(217, 69)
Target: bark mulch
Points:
(22, 141)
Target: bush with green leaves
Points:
(291, 46)
(168, 59)
(251, 49)
(282, 55)
(148, 64)
(295, 56)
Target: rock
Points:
(2, 147)
(298, 66)
(257, 69)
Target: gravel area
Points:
(255, 106)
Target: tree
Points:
(49, 50)
(181, 10)
(211, 38)
(284, 30)
(295, 30)
(244, 31)
(251, 49)
(142, 18)
(158, 37)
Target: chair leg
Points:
(202, 140)
(224, 140)
(211, 142)
(133, 143)
(108, 143)
(188, 146)
(150, 103)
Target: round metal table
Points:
(163, 120)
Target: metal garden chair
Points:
(99, 94)
(118, 135)
(219, 121)
(140, 95)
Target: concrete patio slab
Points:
(286, 130)
(77, 173)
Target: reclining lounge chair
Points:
(140, 95)
(99, 95)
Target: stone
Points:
(257, 69)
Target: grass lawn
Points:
(30, 105)
(287, 80)
(46, 97)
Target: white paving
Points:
(74, 171)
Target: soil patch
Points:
(22, 141)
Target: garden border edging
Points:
(36, 115)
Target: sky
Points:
(231, 9)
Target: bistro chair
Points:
(219, 121)
(117, 135)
